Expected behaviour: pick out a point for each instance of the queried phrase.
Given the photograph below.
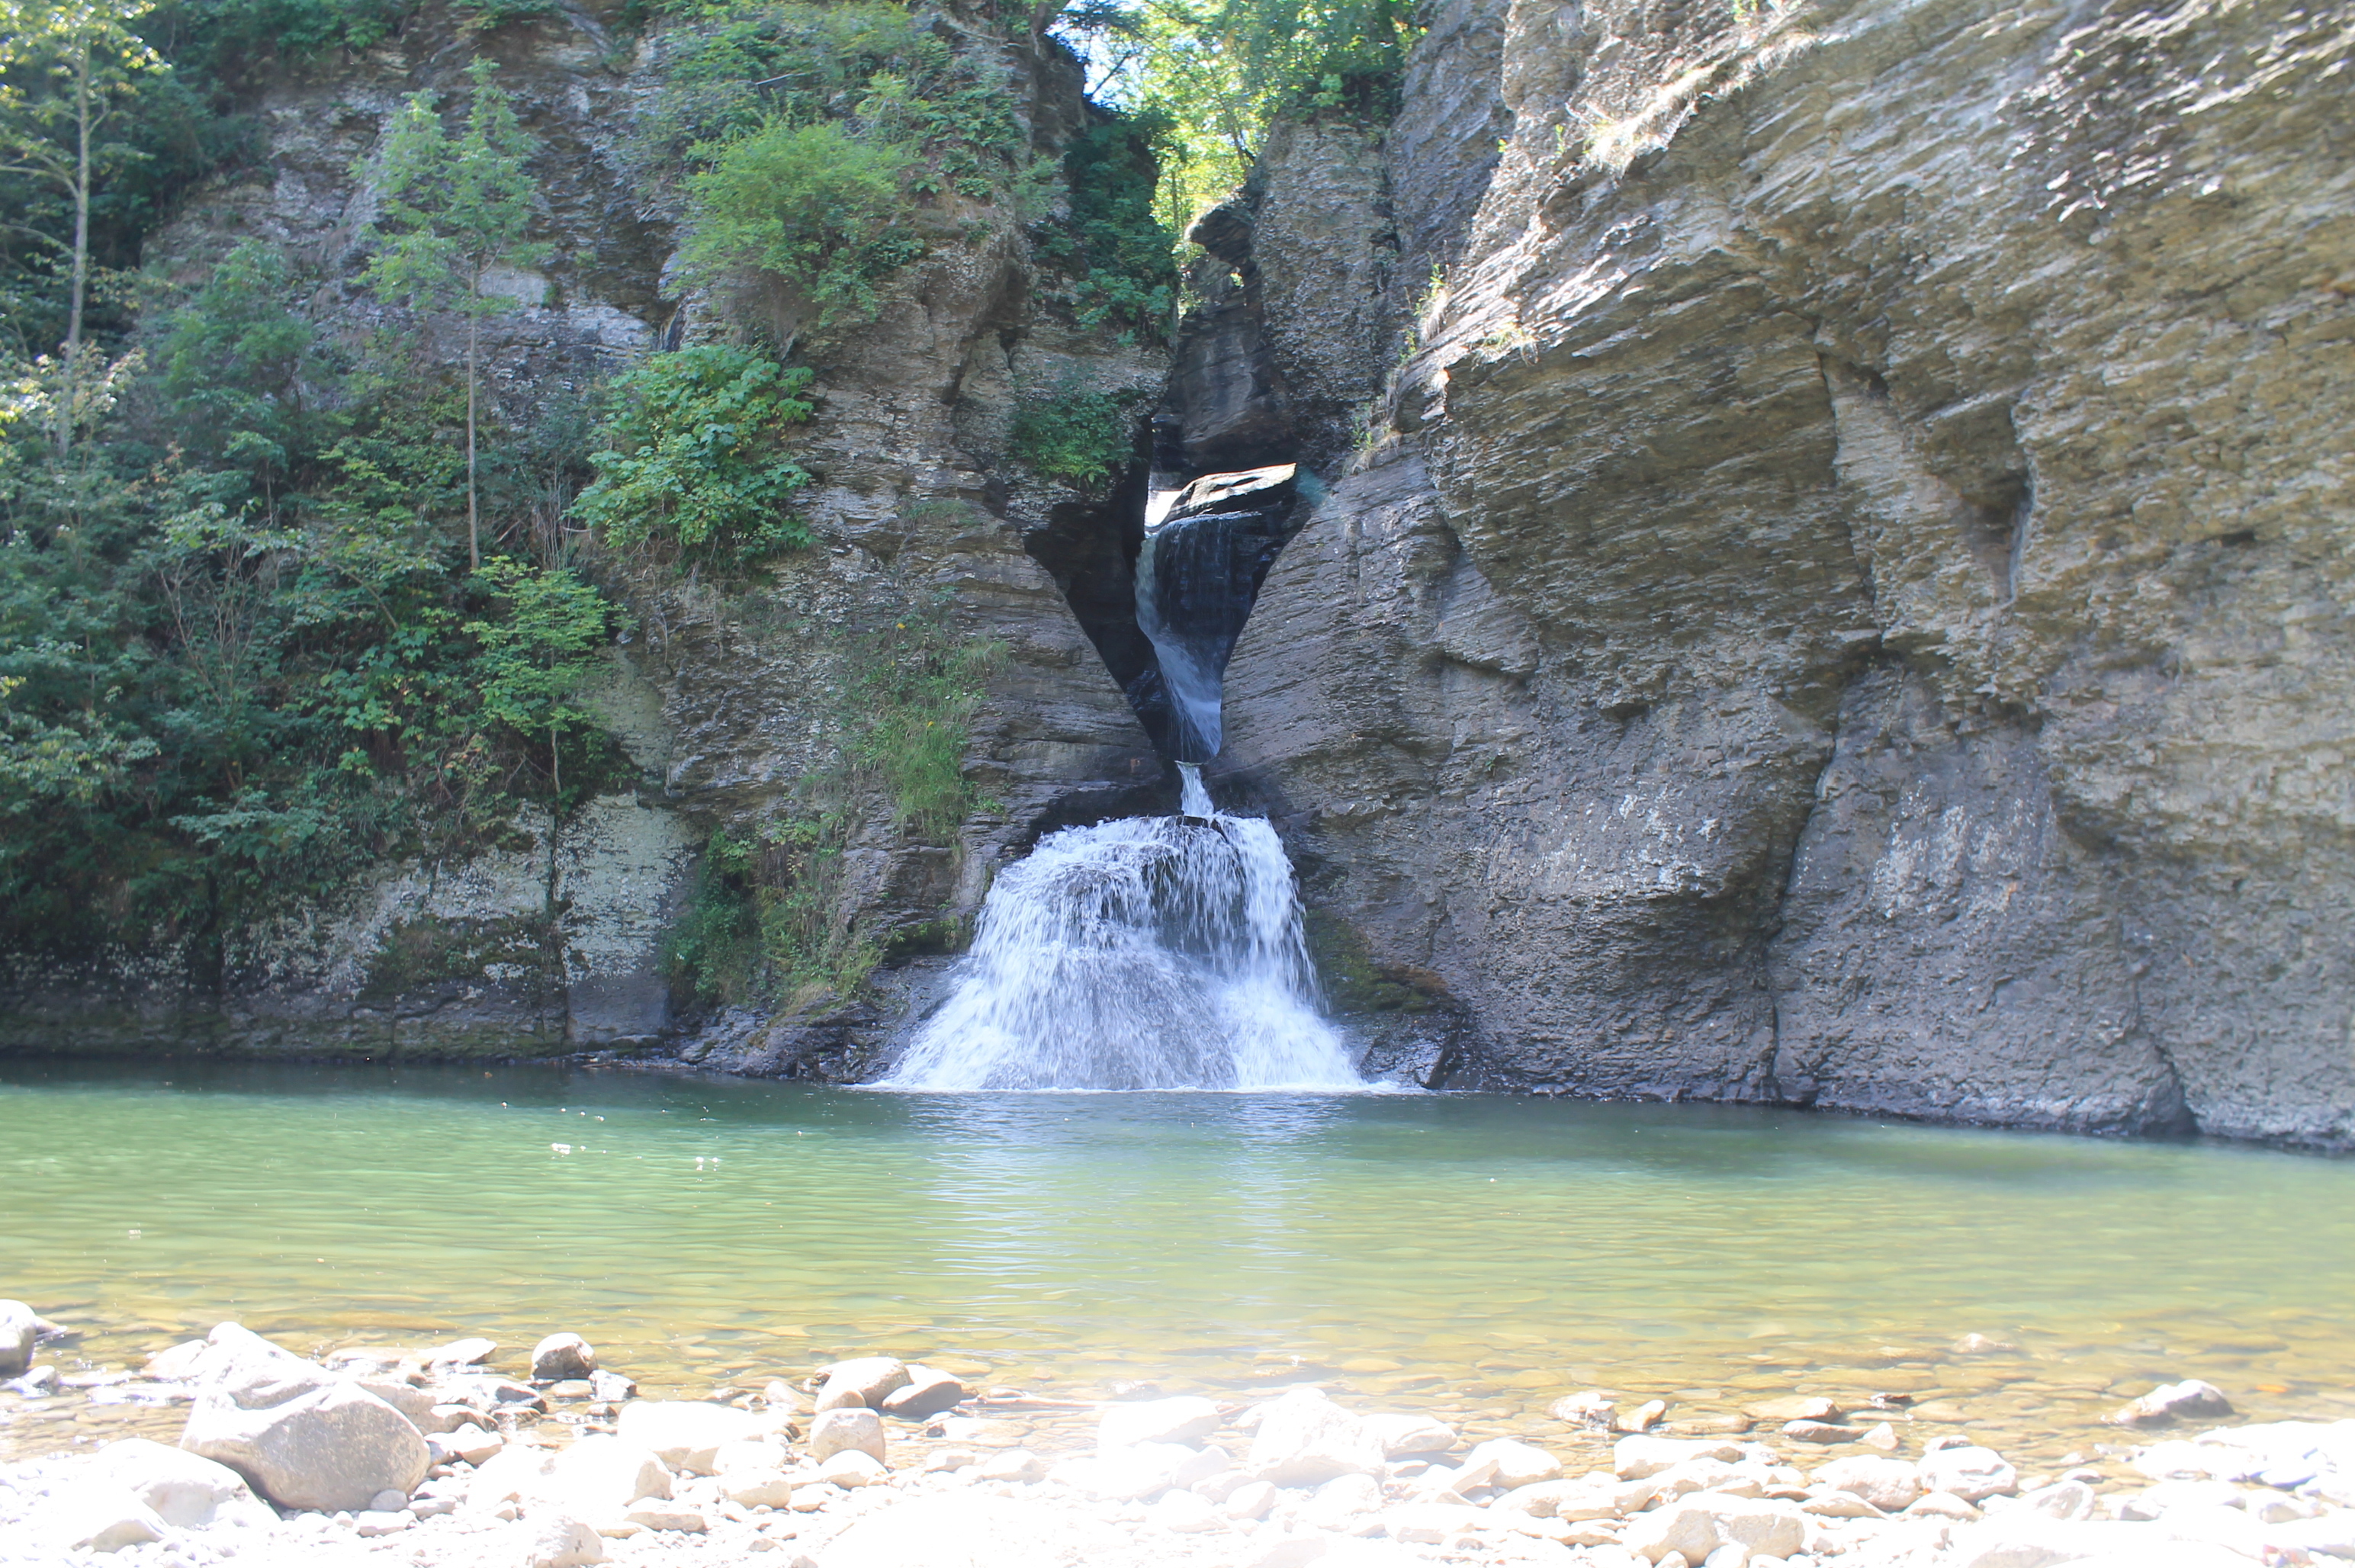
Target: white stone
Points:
(974, 1530)
(472, 1443)
(686, 1435)
(757, 1489)
(20, 1326)
(2188, 1399)
(601, 1474)
(2066, 1499)
(1401, 1435)
(1018, 1465)
(1699, 1524)
(101, 1518)
(468, 1353)
(1886, 1484)
(1185, 1513)
(851, 1468)
(1734, 1554)
(1969, 1472)
(1432, 1524)
(655, 1515)
(1339, 1501)
(1515, 1464)
(302, 1437)
(1251, 1500)
(1634, 1458)
(382, 1522)
(866, 1381)
(557, 1541)
(175, 1364)
(1707, 1476)
(846, 1428)
(1185, 1419)
(185, 1490)
(1304, 1439)
(562, 1356)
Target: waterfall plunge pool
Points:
(1477, 1256)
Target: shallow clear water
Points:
(1477, 1255)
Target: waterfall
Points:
(1144, 953)
(1198, 572)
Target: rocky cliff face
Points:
(1858, 549)
(726, 697)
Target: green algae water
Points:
(1476, 1256)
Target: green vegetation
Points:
(812, 207)
(1118, 252)
(765, 921)
(243, 653)
(1078, 436)
(692, 463)
(448, 211)
(815, 141)
(1214, 75)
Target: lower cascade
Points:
(1144, 952)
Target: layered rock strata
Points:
(1858, 554)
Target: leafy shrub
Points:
(811, 205)
(693, 458)
(1119, 253)
(1081, 437)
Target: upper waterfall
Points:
(1144, 953)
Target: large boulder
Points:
(302, 1437)
(1304, 1440)
(20, 1327)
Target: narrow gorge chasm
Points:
(1796, 554)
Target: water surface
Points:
(1476, 1255)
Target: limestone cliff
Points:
(1857, 545)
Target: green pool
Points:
(1477, 1255)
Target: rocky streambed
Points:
(437, 1456)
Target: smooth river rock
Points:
(1187, 1419)
(20, 1326)
(846, 1428)
(186, 1490)
(302, 1437)
(562, 1356)
(867, 1380)
(686, 1435)
(1969, 1473)
(1304, 1439)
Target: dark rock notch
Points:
(1214, 482)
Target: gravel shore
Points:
(433, 1456)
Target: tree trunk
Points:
(473, 525)
(80, 249)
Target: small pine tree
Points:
(451, 210)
